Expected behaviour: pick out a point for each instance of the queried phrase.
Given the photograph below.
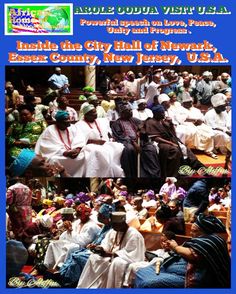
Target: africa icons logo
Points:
(43, 19)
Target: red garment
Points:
(19, 199)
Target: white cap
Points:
(132, 219)
(206, 74)
(140, 101)
(57, 68)
(186, 97)
(163, 97)
(46, 221)
(218, 99)
(172, 179)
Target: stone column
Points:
(90, 76)
(94, 184)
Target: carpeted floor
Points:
(208, 161)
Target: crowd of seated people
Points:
(146, 126)
(101, 239)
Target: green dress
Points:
(30, 130)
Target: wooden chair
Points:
(152, 211)
(187, 228)
(219, 213)
(152, 240)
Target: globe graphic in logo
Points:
(54, 19)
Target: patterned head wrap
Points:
(99, 200)
(92, 98)
(106, 210)
(129, 73)
(82, 197)
(84, 211)
(61, 115)
(82, 98)
(171, 94)
(210, 224)
(181, 193)
(47, 202)
(69, 202)
(87, 108)
(151, 194)
(70, 196)
(59, 200)
(88, 89)
(123, 193)
(46, 221)
(20, 164)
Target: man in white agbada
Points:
(164, 100)
(198, 135)
(121, 246)
(153, 88)
(78, 235)
(108, 153)
(58, 81)
(142, 112)
(93, 99)
(61, 143)
(132, 85)
(69, 146)
(218, 119)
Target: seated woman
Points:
(172, 152)
(202, 262)
(154, 258)
(25, 133)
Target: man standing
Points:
(59, 81)
(132, 85)
(121, 246)
(19, 199)
(204, 89)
